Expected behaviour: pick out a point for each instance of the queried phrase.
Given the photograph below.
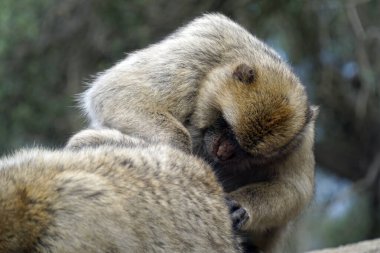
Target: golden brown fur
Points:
(213, 88)
(111, 198)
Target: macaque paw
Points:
(238, 214)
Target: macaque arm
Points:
(152, 127)
(277, 201)
(97, 137)
(272, 204)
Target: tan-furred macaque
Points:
(214, 89)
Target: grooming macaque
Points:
(115, 196)
(213, 89)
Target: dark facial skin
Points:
(233, 166)
(220, 143)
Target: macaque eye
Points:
(244, 74)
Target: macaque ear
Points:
(314, 112)
(244, 73)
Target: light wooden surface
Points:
(372, 246)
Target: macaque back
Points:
(111, 199)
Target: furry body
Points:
(111, 198)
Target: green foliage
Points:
(46, 54)
(23, 85)
(335, 231)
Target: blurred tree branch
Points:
(350, 143)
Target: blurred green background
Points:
(49, 49)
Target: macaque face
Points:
(221, 148)
(232, 164)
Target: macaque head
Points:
(263, 111)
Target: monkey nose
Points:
(226, 150)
